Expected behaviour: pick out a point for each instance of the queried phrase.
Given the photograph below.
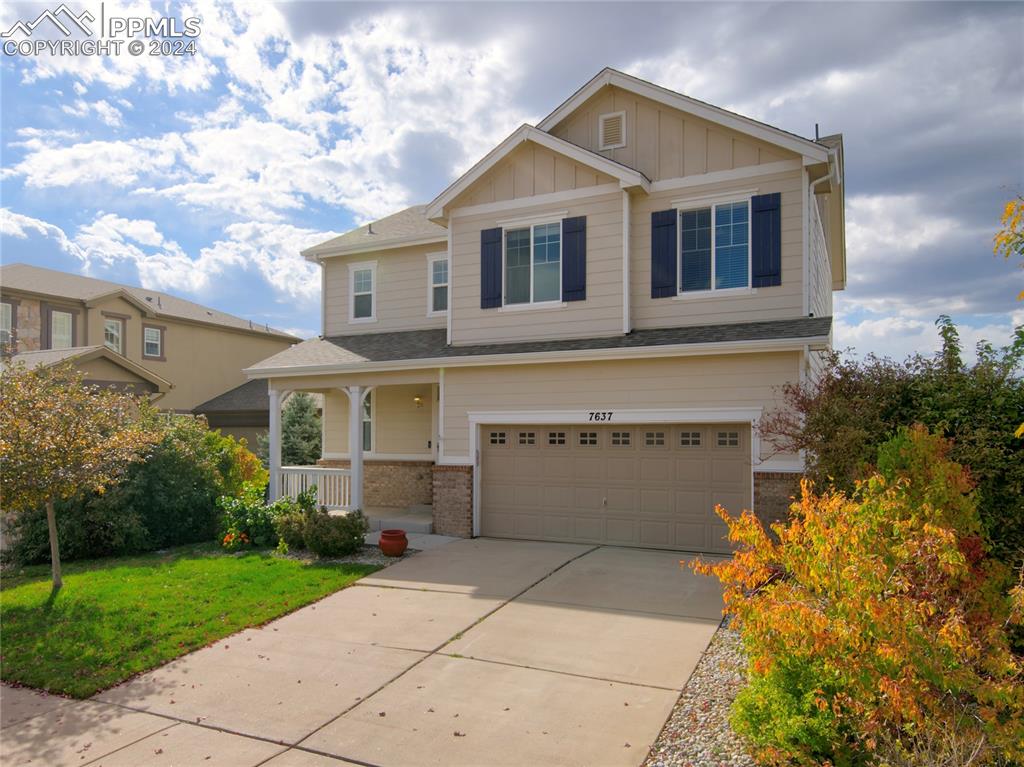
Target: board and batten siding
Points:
(401, 291)
(662, 142)
(736, 380)
(529, 170)
(599, 315)
(819, 265)
(772, 303)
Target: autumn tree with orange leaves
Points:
(875, 624)
(60, 437)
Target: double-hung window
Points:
(152, 342)
(437, 280)
(362, 292)
(113, 334)
(62, 327)
(6, 322)
(533, 264)
(714, 248)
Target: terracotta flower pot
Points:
(393, 543)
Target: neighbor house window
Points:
(533, 264)
(714, 248)
(62, 325)
(363, 286)
(6, 322)
(153, 342)
(368, 422)
(113, 334)
(437, 276)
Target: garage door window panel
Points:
(654, 439)
(588, 439)
(498, 438)
(690, 439)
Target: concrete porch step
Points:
(411, 520)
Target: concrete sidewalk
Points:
(475, 652)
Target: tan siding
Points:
(740, 380)
(401, 291)
(599, 315)
(783, 301)
(527, 171)
(399, 426)
(201, 361)
(820, 268)
(658, 137)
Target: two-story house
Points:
(181, 352)
(576, 339)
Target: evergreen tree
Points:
(300, 433)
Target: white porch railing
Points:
(333, 486)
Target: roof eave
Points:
(317, 253)
(628, 177)
(815, 343)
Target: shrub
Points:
(335, 536)
(170, 499)
(290, 524)
(880, 609)
(841, 418)
(247, 518)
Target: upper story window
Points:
(6, 322)
(437, 284)
(533, 264)
(113, 334)
(153, 342)
(714, 250)
(362, 292)
(62, 329)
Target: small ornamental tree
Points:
(60, 437)
(874, 623)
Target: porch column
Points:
(355, 444)
(274, 446)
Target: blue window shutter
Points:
(574, 259)
(663, 253)
(490, 268)
(766, 240)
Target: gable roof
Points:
(81, 354)
(737, 122)
(50, 282)
(252, 395)
(430, 348)
(401, 229)
(628, 177)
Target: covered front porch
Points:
(378, 446)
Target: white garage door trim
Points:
(606, 417)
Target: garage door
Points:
(652, 486)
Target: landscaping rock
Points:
(697, 733)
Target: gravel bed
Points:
(368, 555)
(697, 733)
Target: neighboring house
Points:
(100, 367)
(243, 411)
(576, 339)
(197, 352)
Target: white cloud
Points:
(106, 112)
(22, 227)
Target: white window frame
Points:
(7, 309)
(602, 146)
(120, 334)
(713, 203)
(352, 269)
(71, 329)
(531, 225)
(433, 258)
(159, 342)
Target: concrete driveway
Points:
(479, 652)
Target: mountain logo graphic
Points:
(54, 17)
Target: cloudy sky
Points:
(205, 175)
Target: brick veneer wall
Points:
(393, 483)
(774, 492)
(453, 501)
(30, 324)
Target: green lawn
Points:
(116, 617)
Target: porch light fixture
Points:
(418, 400)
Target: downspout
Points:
(627, 323)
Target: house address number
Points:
(601, 415)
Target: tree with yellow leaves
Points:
(1009, 242)
(60, 437)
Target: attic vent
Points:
(612, 130)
